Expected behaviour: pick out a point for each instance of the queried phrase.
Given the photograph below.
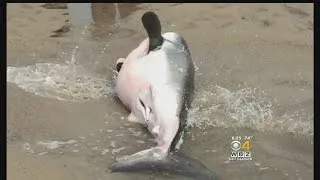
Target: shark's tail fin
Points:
(152, 25)
(152, 160)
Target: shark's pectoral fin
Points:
(156, 130)
(133, 118)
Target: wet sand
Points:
(254, 78)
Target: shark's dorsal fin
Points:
(152, 25)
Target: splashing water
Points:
(244, 108)
(62, 81)
(296, 122)
(241, 106)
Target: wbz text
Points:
(240, 156)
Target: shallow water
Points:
(249, 82)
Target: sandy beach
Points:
(254, 77)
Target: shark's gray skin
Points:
(156, 82)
